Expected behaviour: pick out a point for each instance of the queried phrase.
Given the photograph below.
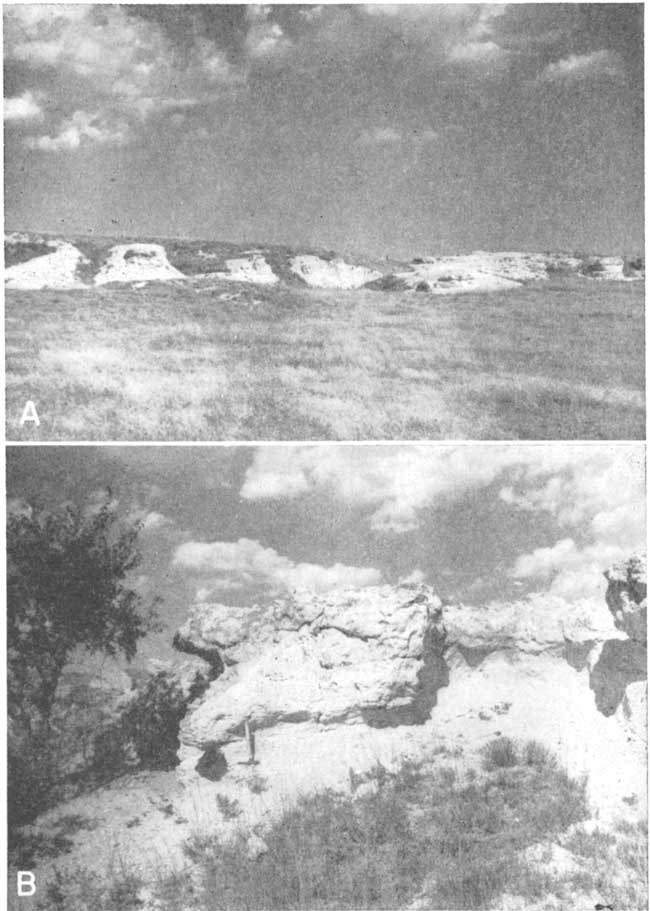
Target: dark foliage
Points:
(67, 587)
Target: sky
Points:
(243, 525)
(381, 130)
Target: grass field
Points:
(511, 834)
(215, 360)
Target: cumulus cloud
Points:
(597, 64)
(393, 482)
(22, 107)
(379, 136)
(477, 44)
(595, 495)
(81, 128)
(414, 578)
(232, 565)
(265, 37)
(476, 52)
(154, 521)
(124, 63)
(603, 496)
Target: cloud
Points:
(603, 496)
(226, 565)
(476, 52)
(80, 129)
(477, 45)
(265, 37)
(594, 495)
(393, 482)
(22, 107)
(379, 136)
(154, 521)
(414, 578)
(110, 60)
(575, 67)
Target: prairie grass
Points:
(421, 837)
(212, 359)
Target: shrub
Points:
(153, 720)
(592, 267)
(228, 806)
(500, 754)
(146, 734)
(535, 753)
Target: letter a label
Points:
(26, 882)
(30, 414)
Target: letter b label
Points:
(26, 882)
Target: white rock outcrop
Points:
(627, 597)
(54, 270)
(334, 273)
(353, 677)
(255, 270)
(136, 263)
(364, 656)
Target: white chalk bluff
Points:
(40, 262)
(334, 683)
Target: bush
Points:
(592, 267)
(153, 720)
(535, 753)
(146, 734)
(500, 754)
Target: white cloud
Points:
(154, 521)
(393, 481)
(476, 52)
(224, 565)
(597, 64)
(545, 561)
(595, 493)
(125, 63)
(477, 44)
(80, 129)
(414, 578)
(22, 107)
(379, 136)
(265, 37)
(602, 495)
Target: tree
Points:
(67, 587)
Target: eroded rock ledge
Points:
(373, 656)
(333, 682)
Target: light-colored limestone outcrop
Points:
(137, 263)
(626, 597)
(335, 273)
(368, 656)
(344, 679)
(255, 270)
(57, 269)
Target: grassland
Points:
(216, 360)
(509, 834)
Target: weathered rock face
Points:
(622, 662)
(337, 682)
(373, 656)
(626, 597)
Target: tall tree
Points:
(67, 586)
